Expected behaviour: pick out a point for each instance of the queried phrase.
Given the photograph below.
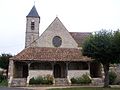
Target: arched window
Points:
(32, 25)
(40, 66)
(78, 66)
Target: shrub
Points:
(112, 77)
(4, 83)
(50, 79)
(74, 80)
(2, 78)
(84, 79)
(39, 80)
(36, 80)
(42, 80)
(32, 81)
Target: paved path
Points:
(6, 88)
(45, 88)
(40, 88)
(49, 87)
(26, 88)
(37, 88)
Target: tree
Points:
(116, 42)
(4, 61)
(102, 47)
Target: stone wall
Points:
(71, 73)
(77, 73)
(31, 35)
(56, 29)
(36, 73)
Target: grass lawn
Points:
(86, 88)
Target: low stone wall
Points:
(71, 73)
(35, 73)
(77, 73)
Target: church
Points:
(56, 52)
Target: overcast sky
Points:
(76, 15)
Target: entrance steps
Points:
(16, 82)
(97, 81)
(61, 81)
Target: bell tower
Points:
(32, 26)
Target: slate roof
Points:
(80, 37)
(33, 12)
(50, 54)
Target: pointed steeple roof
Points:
(33, 12)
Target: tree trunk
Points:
(106, 73)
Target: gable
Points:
(56, 28)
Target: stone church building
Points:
(55, 52)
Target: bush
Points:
(4, 83)
(42, 80)
(48, 79)
(74, 80)
(32, 80)
(39, 80)
(2, 78)
(112, 77)
(84, 79)
(36, 80)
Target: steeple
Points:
(32, 27)
(33, 12)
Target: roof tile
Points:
(50, 54)
(80, 37)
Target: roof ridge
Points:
(80, 32)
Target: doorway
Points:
(57, 71)
(60, 70)
(20, 70)
(25, 71)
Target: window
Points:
(57, 41)
(40, 66)
(32, 25)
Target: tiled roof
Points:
(80, 37)
(50, 54)
(33, 13)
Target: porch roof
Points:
(50, 54)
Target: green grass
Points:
(86, 88)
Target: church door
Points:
(57, 71)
